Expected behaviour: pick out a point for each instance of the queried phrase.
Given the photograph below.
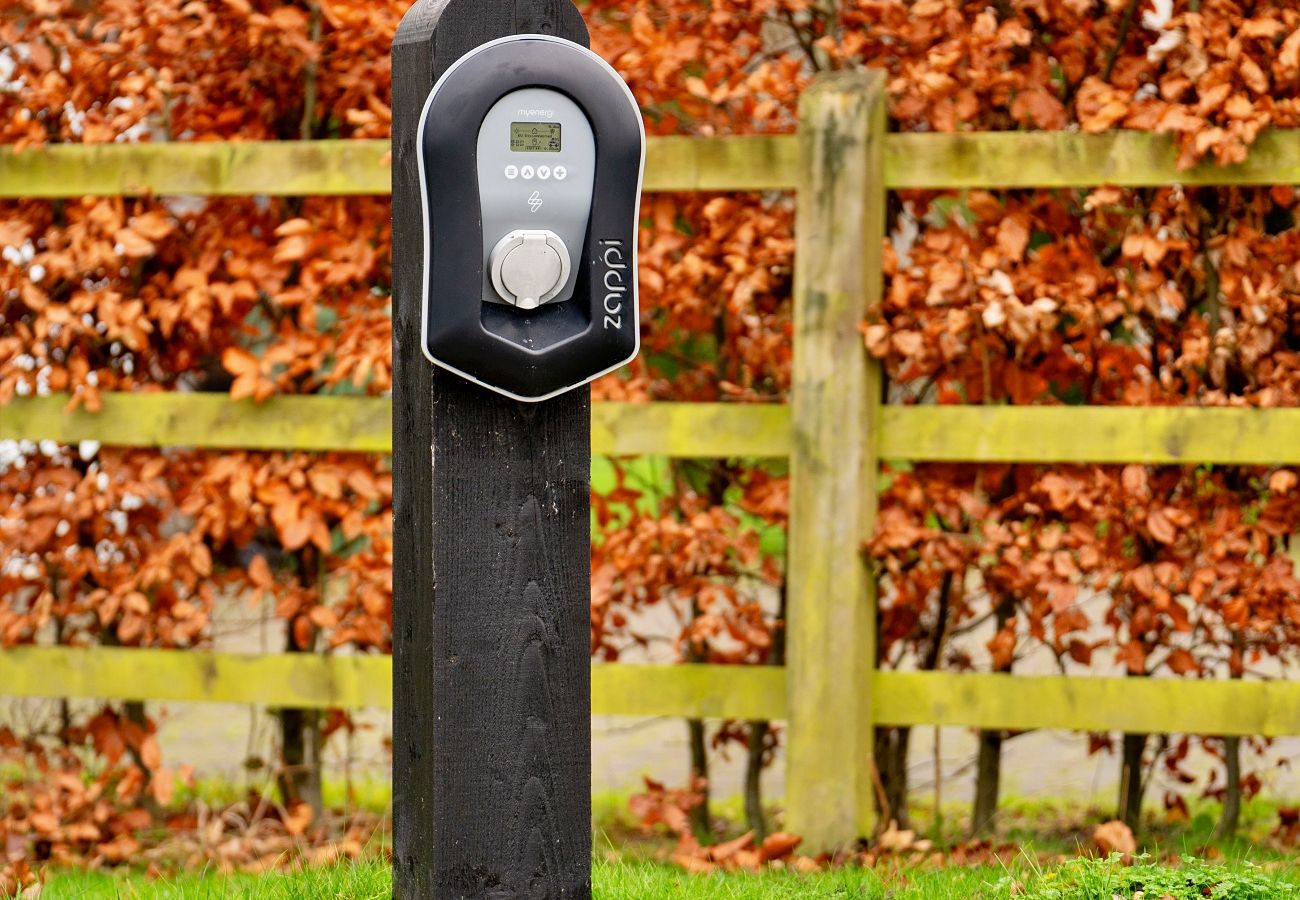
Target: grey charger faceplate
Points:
(531, 155)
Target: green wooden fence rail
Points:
(833, 432)
(316, 422)
(1028, 434)
(769, 162)
(1018, 702)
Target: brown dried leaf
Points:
(779, 845)
(298, 818)
(133, 244)
(1114, 837)
(292, 249)
(153, 225)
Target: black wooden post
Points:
(491, 592)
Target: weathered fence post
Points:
(491, 614)
(836, 399)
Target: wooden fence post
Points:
(836, 401)
(491, 564)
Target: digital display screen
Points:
(535, 137)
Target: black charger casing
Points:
(529, 354)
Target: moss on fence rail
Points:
(1097, 434)
(320, 422)
(333, 167)
(765, 162)
(1270, 708)
(1056, 159)
(1105, 434)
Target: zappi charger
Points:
(531, 154)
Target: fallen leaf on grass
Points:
(298, 819)
(1114, 837)
(900, 840)
(779, 845)
(727, 849)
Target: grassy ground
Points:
(1074, 880)
(363, 881)
(1256, 867)
(617, 881)
(1066, 826)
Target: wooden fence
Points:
(834, 431)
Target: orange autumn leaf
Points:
(292, 248)
(152, 225)
(299, 817)
(324, 617)
(150, 753)
(1160, 527)
(134, 245)
(239, 362)
(1181, 662)
(1002, 646)
(163, 787)
(259, 572)
(779, 845)
(247, 369)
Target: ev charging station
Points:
(517, 161)
(530, 159)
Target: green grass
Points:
(648, 880)
(1192, 879)
(1064, 826)
(626, 864)
(633, 881)
(1073, 880)
(361, 881)
(366, 793)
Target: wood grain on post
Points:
(491, 564)
(836, 399)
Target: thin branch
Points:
(307, 126)
(1120, 39)
(971, 625)
(804, 40)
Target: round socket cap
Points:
(529, 267)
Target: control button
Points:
(543, 172)
(529, 267)
(526, 171)
(560, 173)
(512, 172)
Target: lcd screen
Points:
(535, 137)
